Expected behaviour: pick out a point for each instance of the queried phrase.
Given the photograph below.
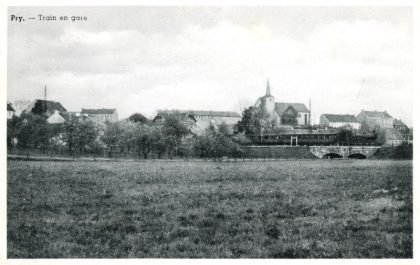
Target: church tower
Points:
(268, 100)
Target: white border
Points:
(3, 88)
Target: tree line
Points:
(172, 137)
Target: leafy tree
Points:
(31, 130)
(215, 143)
(380, 136)
(12, 129)
(175, 127)
(186, 146)
(364, 127)
(223, 129)
(241, 139)
(159, 141)
(127, 137)
(203, 143)
(112, 136)
(137, 117)
(251, 121)
(145, 139)
(80, 136)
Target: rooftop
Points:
(41, 106)
(202, 113)
(392, 134)
(281, 107)
(341, 118)
(376, 114)
(399, 123)
(98, 111)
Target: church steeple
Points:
(267, 92)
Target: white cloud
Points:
(343, 66)
(72, 35)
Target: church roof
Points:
(203, 113)
(376, 114)
(340, 118)
(399, 123)
(281, 107)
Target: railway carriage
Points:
(309, 138)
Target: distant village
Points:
(280, 122)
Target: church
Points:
(278, 114)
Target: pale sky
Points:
(139, 59)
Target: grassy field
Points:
(276, 209)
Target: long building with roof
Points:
(339, 121)
(100, 115)
(376, 118)
(201, 119)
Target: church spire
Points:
(267, 92)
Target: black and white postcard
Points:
(192, 131)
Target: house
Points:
(71, 116)
(339, 121)
(375, 118)
(408, 136)
(281, 113)
(62, 117)
(400, 126)
(199, 120)
(100, 115)
(44, 107)
(56, 118)
(393, 137)
(293, 113)
(10, 111)
(186, 118)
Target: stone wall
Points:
(282, 152)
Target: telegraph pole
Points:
(45, 98)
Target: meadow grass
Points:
(276, 209)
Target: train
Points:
(312, 138)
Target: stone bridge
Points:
(343, 151)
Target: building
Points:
(400, 126)
(71, 116)
(10, 111)
(408, 136)
(56, 118)
(199, 120)
(44, 107)
(393, 137)
(375, 118)
(281, 113)
(339, 121)
(62, 117)
(100, 115)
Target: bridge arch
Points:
(332, 156)
(357, 156)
